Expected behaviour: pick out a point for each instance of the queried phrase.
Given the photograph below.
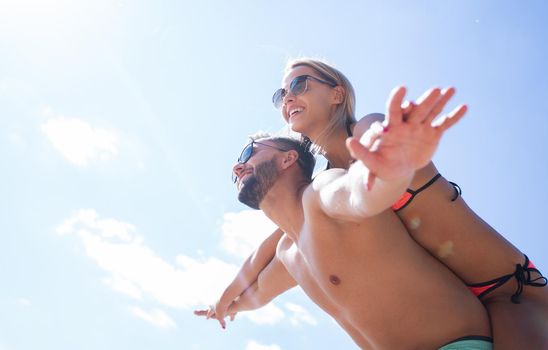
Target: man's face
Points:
(256, 176)
(255, 186)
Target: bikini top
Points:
(410, 194)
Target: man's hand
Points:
(407, 139)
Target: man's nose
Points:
(237, 171)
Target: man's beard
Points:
(257, 185)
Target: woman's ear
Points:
(289, 158)
(338, 94)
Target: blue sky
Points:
(120, 121)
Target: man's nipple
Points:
(334, 280)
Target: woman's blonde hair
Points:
(344, 114)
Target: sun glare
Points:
(35, 21)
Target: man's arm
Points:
(390, 152)
(248, 273)
(272, 281)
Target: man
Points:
(347, 250)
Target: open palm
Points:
(405, 142)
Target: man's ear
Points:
(338, 94)
(289, 158)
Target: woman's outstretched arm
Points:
(271, 281)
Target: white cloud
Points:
(107, 228)
(24, 302)
(300, 315)
(267, 315)
(253, 345)
(124, 286)
(244, 231)
(155, 317)
(79, 142)
(137, 271)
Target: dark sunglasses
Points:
(297, 86)
(247, 152)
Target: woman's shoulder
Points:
(365, 122)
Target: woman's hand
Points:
(408, 138)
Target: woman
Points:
(318, 101)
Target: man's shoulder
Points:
(285, 248)
(284, 243)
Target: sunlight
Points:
(32, 15)
(54, 31)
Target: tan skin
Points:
(450, 231)
(337, 231)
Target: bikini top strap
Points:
(426, 185)
(458, 191)
(410, 194)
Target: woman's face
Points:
(309, 112)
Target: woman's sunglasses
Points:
(247, 152)
(297, 86)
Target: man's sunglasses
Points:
(297, 86)
(247, 152)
